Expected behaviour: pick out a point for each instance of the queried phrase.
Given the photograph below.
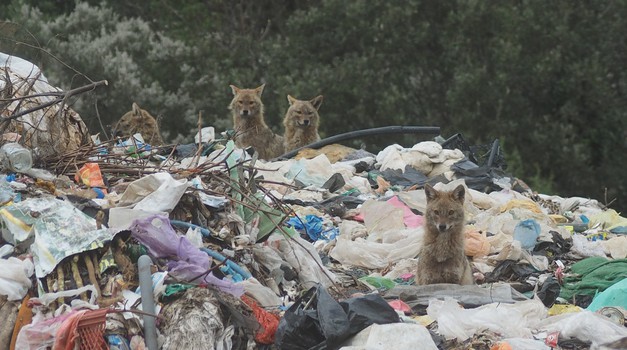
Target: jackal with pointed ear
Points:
(301, 122)
(442, 258)
(138, 120)
(249, 124)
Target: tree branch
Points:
(61, 98)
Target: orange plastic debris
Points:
(268, 321)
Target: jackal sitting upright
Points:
(249, 124)
(442, 258)
(301, 122)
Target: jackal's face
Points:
(303, 114)
(136, 120)
(247, 102)
(445, 210)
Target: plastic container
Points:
(16, 157)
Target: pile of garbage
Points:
(122, 245)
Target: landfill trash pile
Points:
(123, 245)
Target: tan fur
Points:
(334, 152)
(301, 122)
(442, 258)
(249, 124)
(138, 120)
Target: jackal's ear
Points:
(430, 192)
(235, 89)
(291, 99)
(458, 193)
(316, 102)
(136, 110)
(259, 90)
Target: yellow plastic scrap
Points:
(424, 320)
(608, 220)
(558, 309)
(523, 204)
(558, 219)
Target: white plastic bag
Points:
(270, 259)
(391, 336)
(155, 192)
(617, 246)
(381, 216)
(15, 277)
(509, 320)
(47, 298)
(374, 255)
(586, 248)
(262, 294)
(40, 333)
(302, 257)
(390, 158)
(584, 325)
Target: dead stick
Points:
(77, 276)
(50, 285)
(57, 100)
(94, 258)
(60, 282)
(92, 273)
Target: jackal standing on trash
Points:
(442, 258)
(249, 124)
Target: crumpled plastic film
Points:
(56, 229)
(303, 257)
(509, 320)
(15, 277)
(372, 254)
(584, 325)
(608, 220)
(159, 237)
(155, 192)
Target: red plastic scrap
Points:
(85, 327)
(91, 328)
(268, 321)
(67, 334)
(551, 339)
(400, 306)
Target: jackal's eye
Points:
(436, 212)
(450, 212)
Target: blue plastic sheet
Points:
(312, 226)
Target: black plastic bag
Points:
(408, 177)
(510, 270)
(317, 321)
(299, 329)
(549, 292)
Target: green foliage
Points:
(546, 75)
(140, 65)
